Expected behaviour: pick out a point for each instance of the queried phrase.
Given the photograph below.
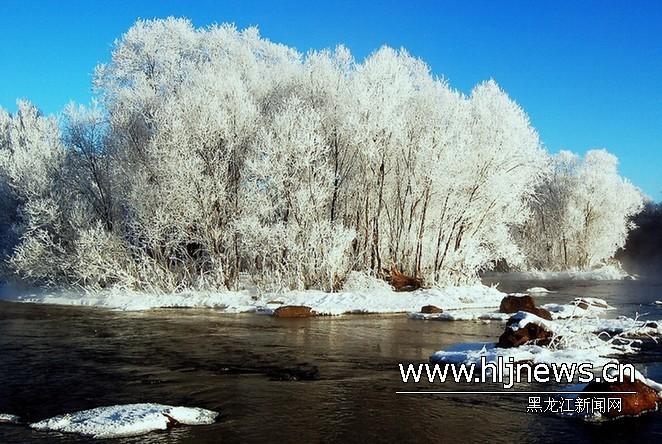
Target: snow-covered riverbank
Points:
(361, 294)
(354, 300)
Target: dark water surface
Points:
(55, 360)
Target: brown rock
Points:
(513, 304)
(401, 282)
(172, 422)
(293, 311)
(582, 305)
(646, 399)
(542, 313)
(431, 309)
(531, 333)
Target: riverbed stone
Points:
(431, 309)
(293, 311)
(513, 304)
(531, 333)
(646, 399)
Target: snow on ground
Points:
(125, 420)
(389, 301)
(370, 300)
(9, 419)
(604, 273)
(230, 301)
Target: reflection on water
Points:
(62, 359)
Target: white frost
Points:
(125, 420)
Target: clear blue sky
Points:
(588, 73)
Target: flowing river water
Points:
(57, 359)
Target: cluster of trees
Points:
(581, 214)
(214, 152)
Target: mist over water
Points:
(63, 359)
(642, 254)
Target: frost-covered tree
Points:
(287, 233)
(582, 213)
(36, 232)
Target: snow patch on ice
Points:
(125, 420)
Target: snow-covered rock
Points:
(522, 318)
(646, 398)
(537, 290)
(125, 420)
(357, 281)
(9, 419)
